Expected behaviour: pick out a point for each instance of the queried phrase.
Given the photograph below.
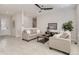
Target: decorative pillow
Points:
(38, 31)
(64, 35)
(28, 31)
(67, 37)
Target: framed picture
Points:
(52, 26)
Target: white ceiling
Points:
(17, 8)
(29, 9)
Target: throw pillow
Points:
(64, 35)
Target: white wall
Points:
(77, 25)
(58, 16)
(27, 21)
(18, 24)
(21, 21)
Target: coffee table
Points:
(43, 38)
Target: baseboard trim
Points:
(59, 51)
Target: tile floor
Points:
(16, 46)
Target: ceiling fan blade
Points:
(47, 8)
(38, 6)
(43, 8)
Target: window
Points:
(3, 24)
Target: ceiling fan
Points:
(43, 8)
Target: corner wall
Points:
(59, 16)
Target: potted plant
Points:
(67, 26)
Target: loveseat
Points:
(61, 42)
(29, 34)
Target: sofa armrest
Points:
(64, 39)
(59, 39)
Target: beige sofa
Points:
(61, 42)
(30, 33)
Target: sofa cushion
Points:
(64, 35)
(33, 31)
